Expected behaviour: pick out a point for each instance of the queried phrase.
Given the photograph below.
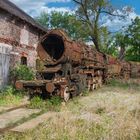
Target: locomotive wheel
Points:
(66, 94)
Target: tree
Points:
(65, 21)
(43, 19)
(89, 12)
(128, 42)
(133, 34)
(121, 42)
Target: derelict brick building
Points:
(19, 35)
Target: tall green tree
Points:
(133, 34)
(90, 13)
(128, 42)
(65, 21)
(121, 42)
(43, 19)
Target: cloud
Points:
(117, 23)
(35, 7)
(62, 9)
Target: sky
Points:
(35, 7)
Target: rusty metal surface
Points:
(113, 66)
(75, 52)
(71, 66)
(135, 69)
(50, 87)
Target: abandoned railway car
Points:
(70, 67)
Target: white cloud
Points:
(35, 7)
(116, 23)
(62, 9)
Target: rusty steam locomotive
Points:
(70, 67)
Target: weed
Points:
(85, 93)
(52, 104)
(100, 110)
(9, 96)
(124, 84)
(55, 100)
(37, 102)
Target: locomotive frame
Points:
(70, 67)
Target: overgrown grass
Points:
(109, 113)
(52, 104)
(85, 93)
(129, 84)
(9, 96)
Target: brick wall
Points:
(21, 36)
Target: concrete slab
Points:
(15, 115)
(33, 123)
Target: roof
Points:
(16, 11)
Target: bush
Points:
(21, 72)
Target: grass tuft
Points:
(9, 96)
(52, 104)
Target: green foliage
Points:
(21, 72)
(92, 13)
(65, 21)
(123, 84)
(117, 83)
(133, 34)
(9, 96)
(129, 41)
(37, 102)
(55, 100)
(110, 50)
(9, 90)
(85, 93)
(133, 54)
(43, 19)
(52, 104)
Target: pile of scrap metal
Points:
(70, 67)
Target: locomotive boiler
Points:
(69, 67)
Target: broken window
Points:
(24, 60)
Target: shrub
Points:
(21, 72)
